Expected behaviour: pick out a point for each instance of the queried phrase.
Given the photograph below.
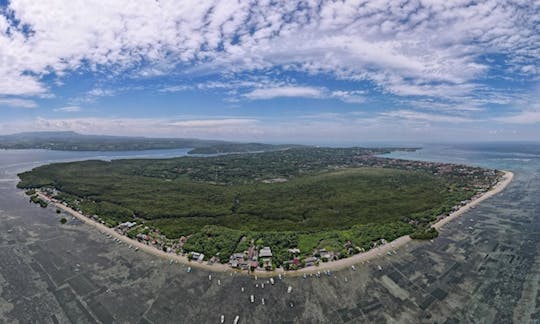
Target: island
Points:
(289, 209)
(72, 141)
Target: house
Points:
(237, 256)
(311, 260)
(265, 252)
(244, 265)
(127, 224)
(252, 253)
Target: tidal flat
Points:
(484, 267)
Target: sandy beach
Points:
(331, 266)
(136, 244)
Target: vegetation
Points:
(71, 141)
(63, 220)
(343, 200)
(423, 233)
(36, 200)
(239, 148)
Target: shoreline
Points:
(325, 266)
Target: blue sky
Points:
(275, 71)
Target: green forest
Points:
(306, 198)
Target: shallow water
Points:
(485, 266)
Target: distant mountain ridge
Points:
(72, 141)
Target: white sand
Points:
(332, 266)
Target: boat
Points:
(272, 281)
(289, 290)
(189, 269)
(236, 319)
(252, 298)
(222, 319)
(353, 268)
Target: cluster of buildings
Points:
(252, 259)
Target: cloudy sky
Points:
(304, 71)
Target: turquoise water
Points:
(498, 156)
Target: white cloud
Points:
(68, 109)
(526, 116)
(412, 48)
(203, 123)
(18, 103)
(326, 128)
(282, 92)
(427, 117)
(354, 97)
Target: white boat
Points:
(222, 319)
(210, 277)
(380, 268)
(236, 319)
(272, 281)
(289, 290)
(252, 298)
(353, 268)
(262, 301)
(189, 269)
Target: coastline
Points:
(326, 266)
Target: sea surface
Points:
(484, 267)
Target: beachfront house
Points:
(265, 252)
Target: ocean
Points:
(484, 267)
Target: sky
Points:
(273, 71)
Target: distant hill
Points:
(72, 141)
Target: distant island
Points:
(287, 209)
(72, 141)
